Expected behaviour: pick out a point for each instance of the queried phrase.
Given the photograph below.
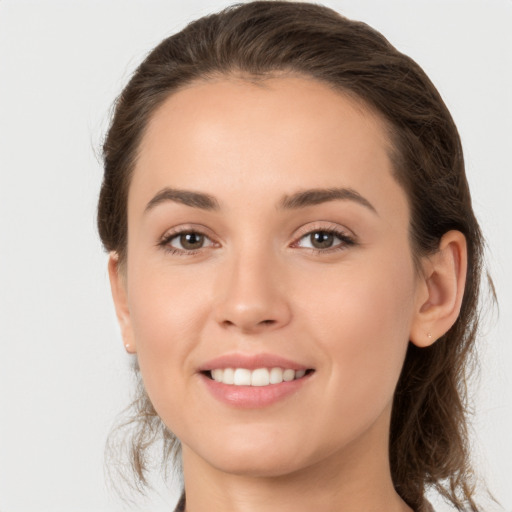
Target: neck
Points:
(354, 479)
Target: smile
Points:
(258, 377)
(251, 381)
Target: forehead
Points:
(225, 134)
(208, 106)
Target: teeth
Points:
(276, 376)
(228, 376)
(242, 377)
(217, 375)
(288, 375)
(259, 377)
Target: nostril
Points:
(230, 323)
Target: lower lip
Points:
(253, 397)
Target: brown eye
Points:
(321, 239)
(186, 242)
(191, 241)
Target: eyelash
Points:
(345, 241)
(164, 243)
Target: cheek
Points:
(167, 315)
(370, 301)
(362, 325)
(165, 306)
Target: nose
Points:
(252, 296)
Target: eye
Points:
(324, 239)
(186, 242)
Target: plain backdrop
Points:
(63, 372)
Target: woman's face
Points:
(266, 231)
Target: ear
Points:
(119, 295)
(441, 290)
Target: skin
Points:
(257, 285)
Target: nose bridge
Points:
(252, 297)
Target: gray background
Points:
(63, 372)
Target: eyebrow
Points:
(316, 196)
(186, 197)
(301, 199)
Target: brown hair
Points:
(428, 437)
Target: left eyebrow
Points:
(316, 196)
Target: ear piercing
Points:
(429, 336)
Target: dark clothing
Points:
(180, 507)
(427, 507)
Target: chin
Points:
(261, 466)
(257, 456)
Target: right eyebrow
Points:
(186, 197)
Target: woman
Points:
(295, 263)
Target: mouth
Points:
(258, 377)
(252, 381)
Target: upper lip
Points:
(251, 362)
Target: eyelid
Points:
(347, 237)
(323, 226)
(176, 231)
(187, 228)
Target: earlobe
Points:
(119, 296)
(441, 291)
